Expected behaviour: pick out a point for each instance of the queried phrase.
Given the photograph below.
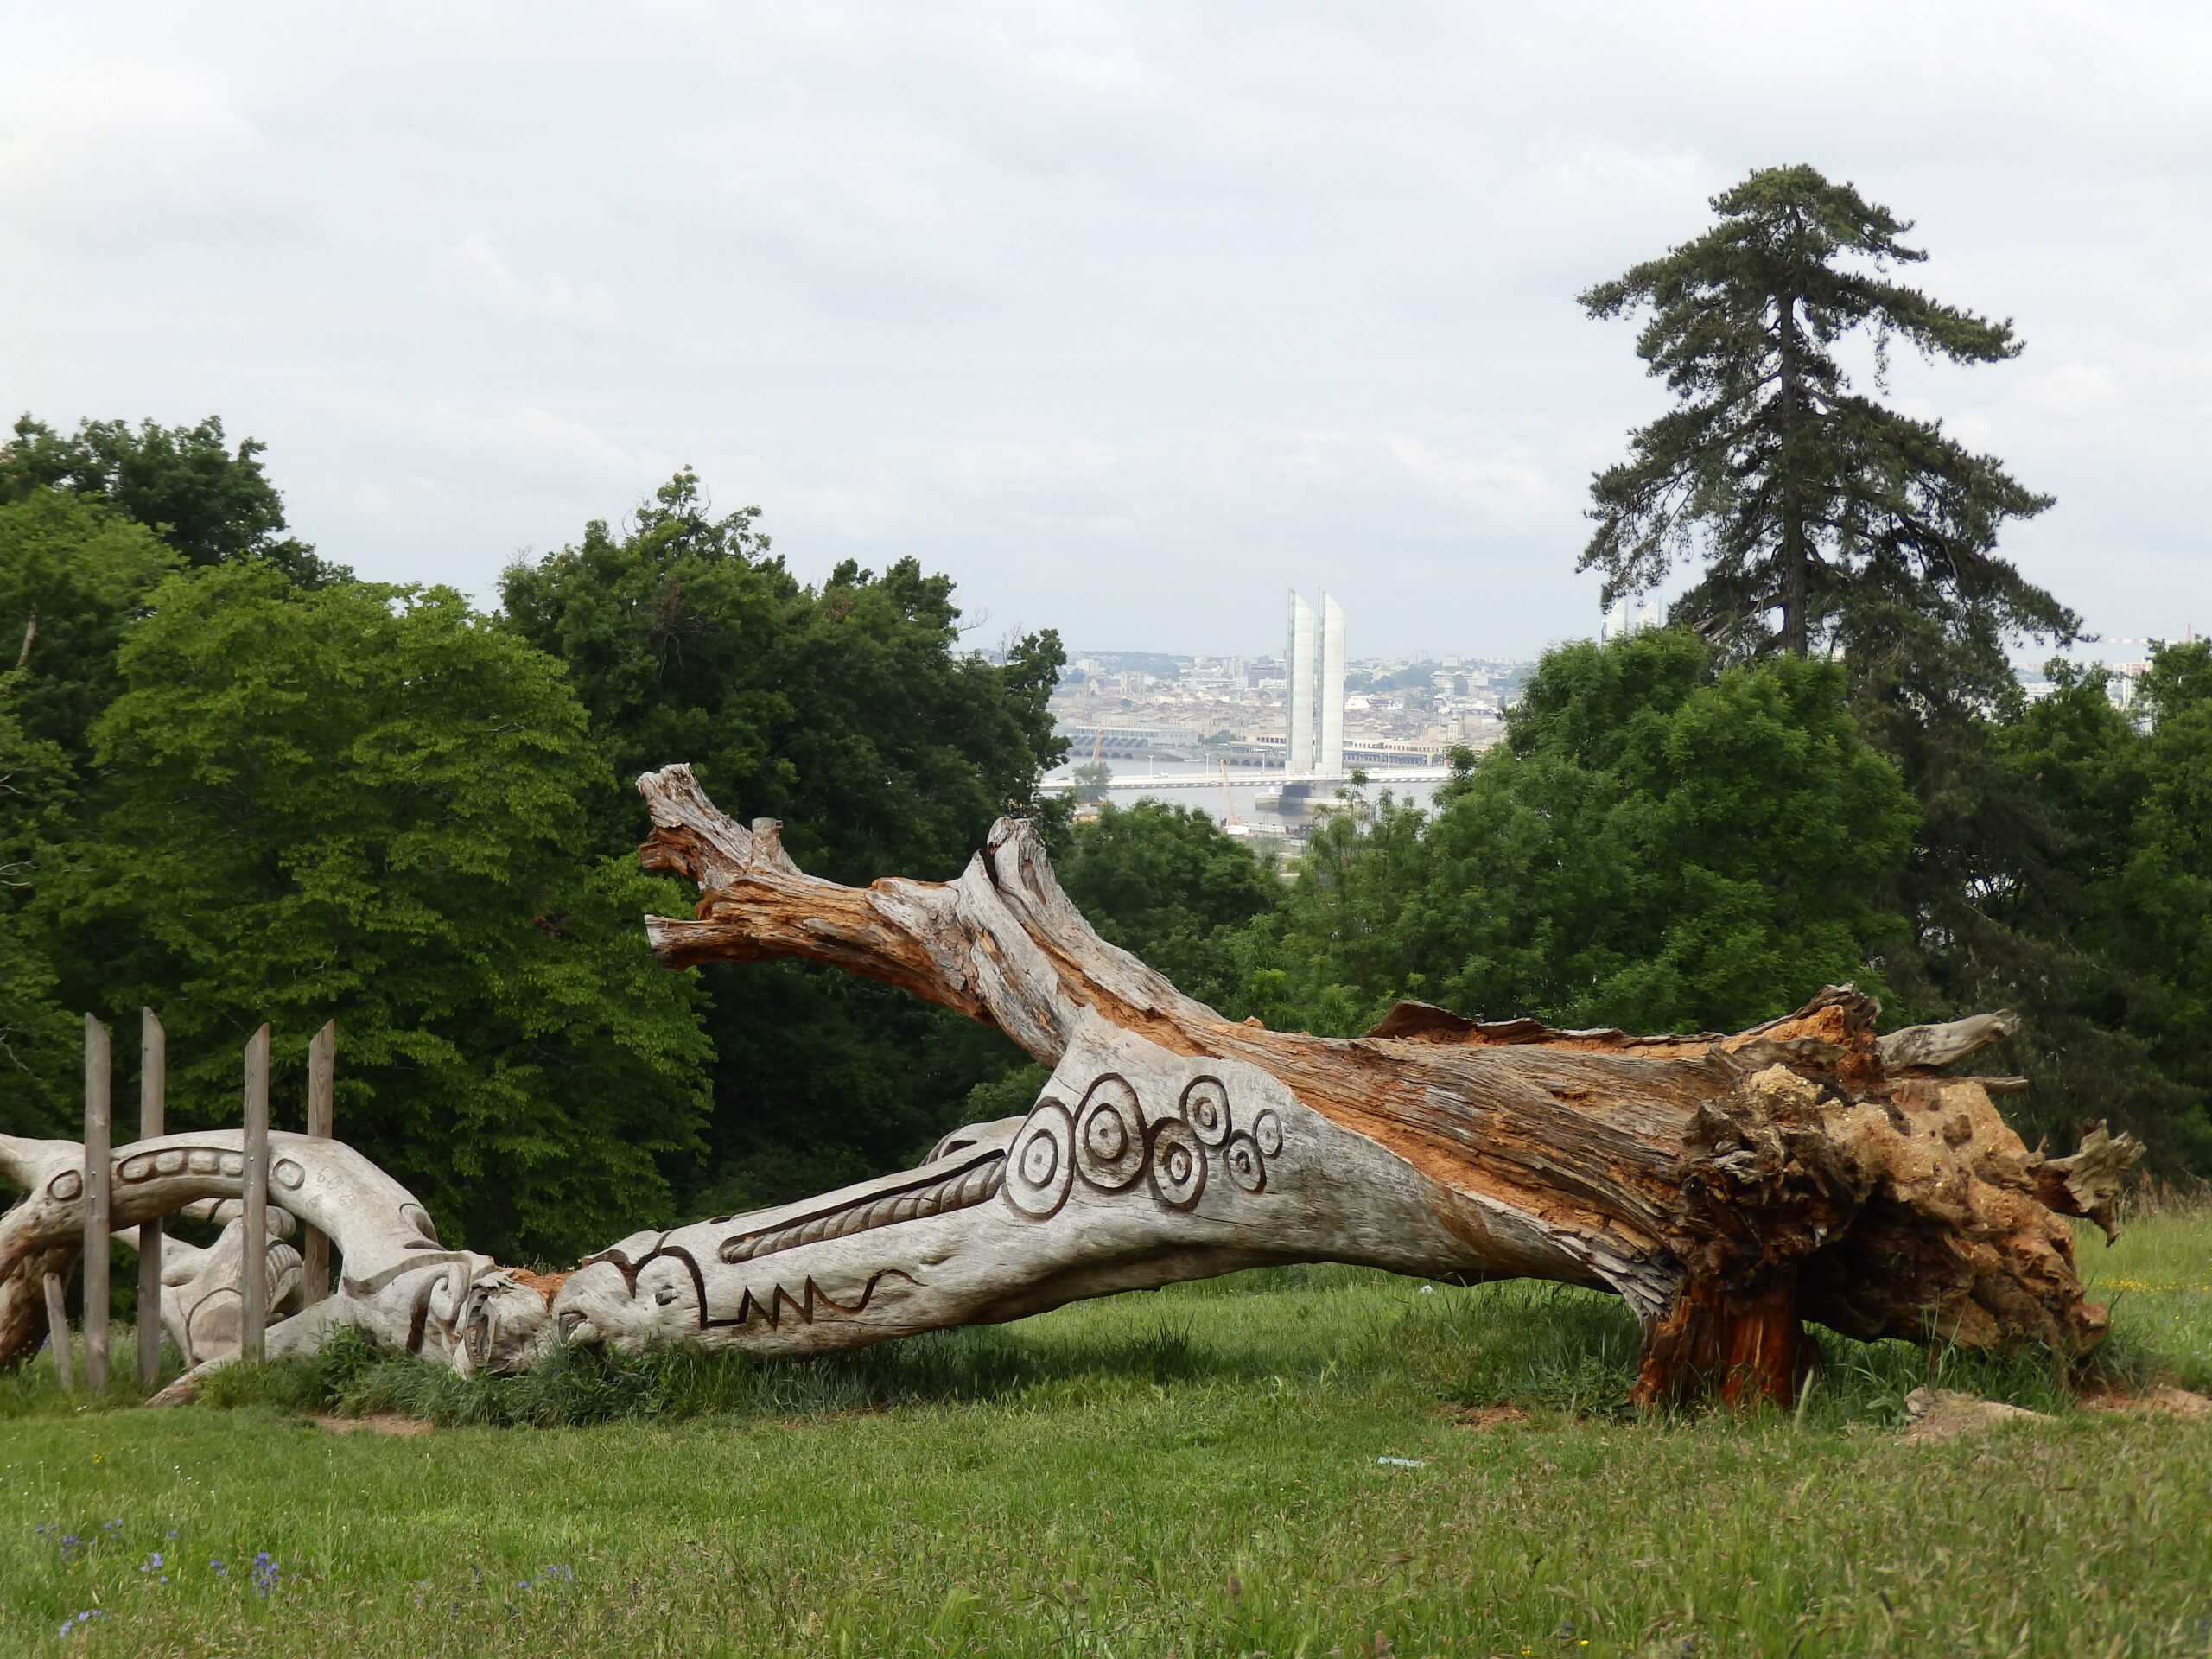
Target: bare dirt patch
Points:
(383, 1422)
(1934, 1414)
(2161, 1401)
(1483, 1417)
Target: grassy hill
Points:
(1298, 1462)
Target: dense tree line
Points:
(236, 784)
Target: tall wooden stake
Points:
(253, 1271)
(97, 1170)
(322, 1069)
(153, 1119)
(57, 1329)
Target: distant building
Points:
(1314, 693)
(1622, 617)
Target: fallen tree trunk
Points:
(1728, 1188)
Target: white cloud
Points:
(474, 267)
(1511, 482)
(102, 159)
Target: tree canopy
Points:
(1163, 882)
(849, 711)
(212, 504)
(1654, 847)
(2124, 917)
(1824, 510)
(366, 802)
(1825, 521)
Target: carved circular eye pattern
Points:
(1040, 1164)
(1110, 1136)
(66, 1185)
(1245, 1165)
(1178, 1164)
(1206, 1107)
(1267, 1134)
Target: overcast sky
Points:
(1127, 316)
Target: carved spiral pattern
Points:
(1040, 1164)
(1107, 1143)
(1109, 1149)
(1241, 1158)
(1179, 1163)
(1205, 1108)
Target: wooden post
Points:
(57, 1329)
(253, 1271)
(98, 1169)
(153, 1118)
(322, 1069)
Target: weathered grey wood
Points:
(253, 1287)
(98, 1122)
(1933, 1047)
(153, 1122)
(1726, 1187)
(322, 1072)
(1135, 1168)
(57, 1329)
(400, 1287)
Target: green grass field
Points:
(1194, 1472)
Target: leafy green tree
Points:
(2126, 983)
(1164, 883)
(214, 504)
(1827, 522)
(366, 802)
(1653, 846)
(73, 574)
(1824, 510)
(848, 711)
(38, 1045)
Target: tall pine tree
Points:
(1824, 516)
(1826, 521)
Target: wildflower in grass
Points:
(215, 1566)
(77, 1622)
(152, 1567)
(265, 1572)
(115, 1525)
